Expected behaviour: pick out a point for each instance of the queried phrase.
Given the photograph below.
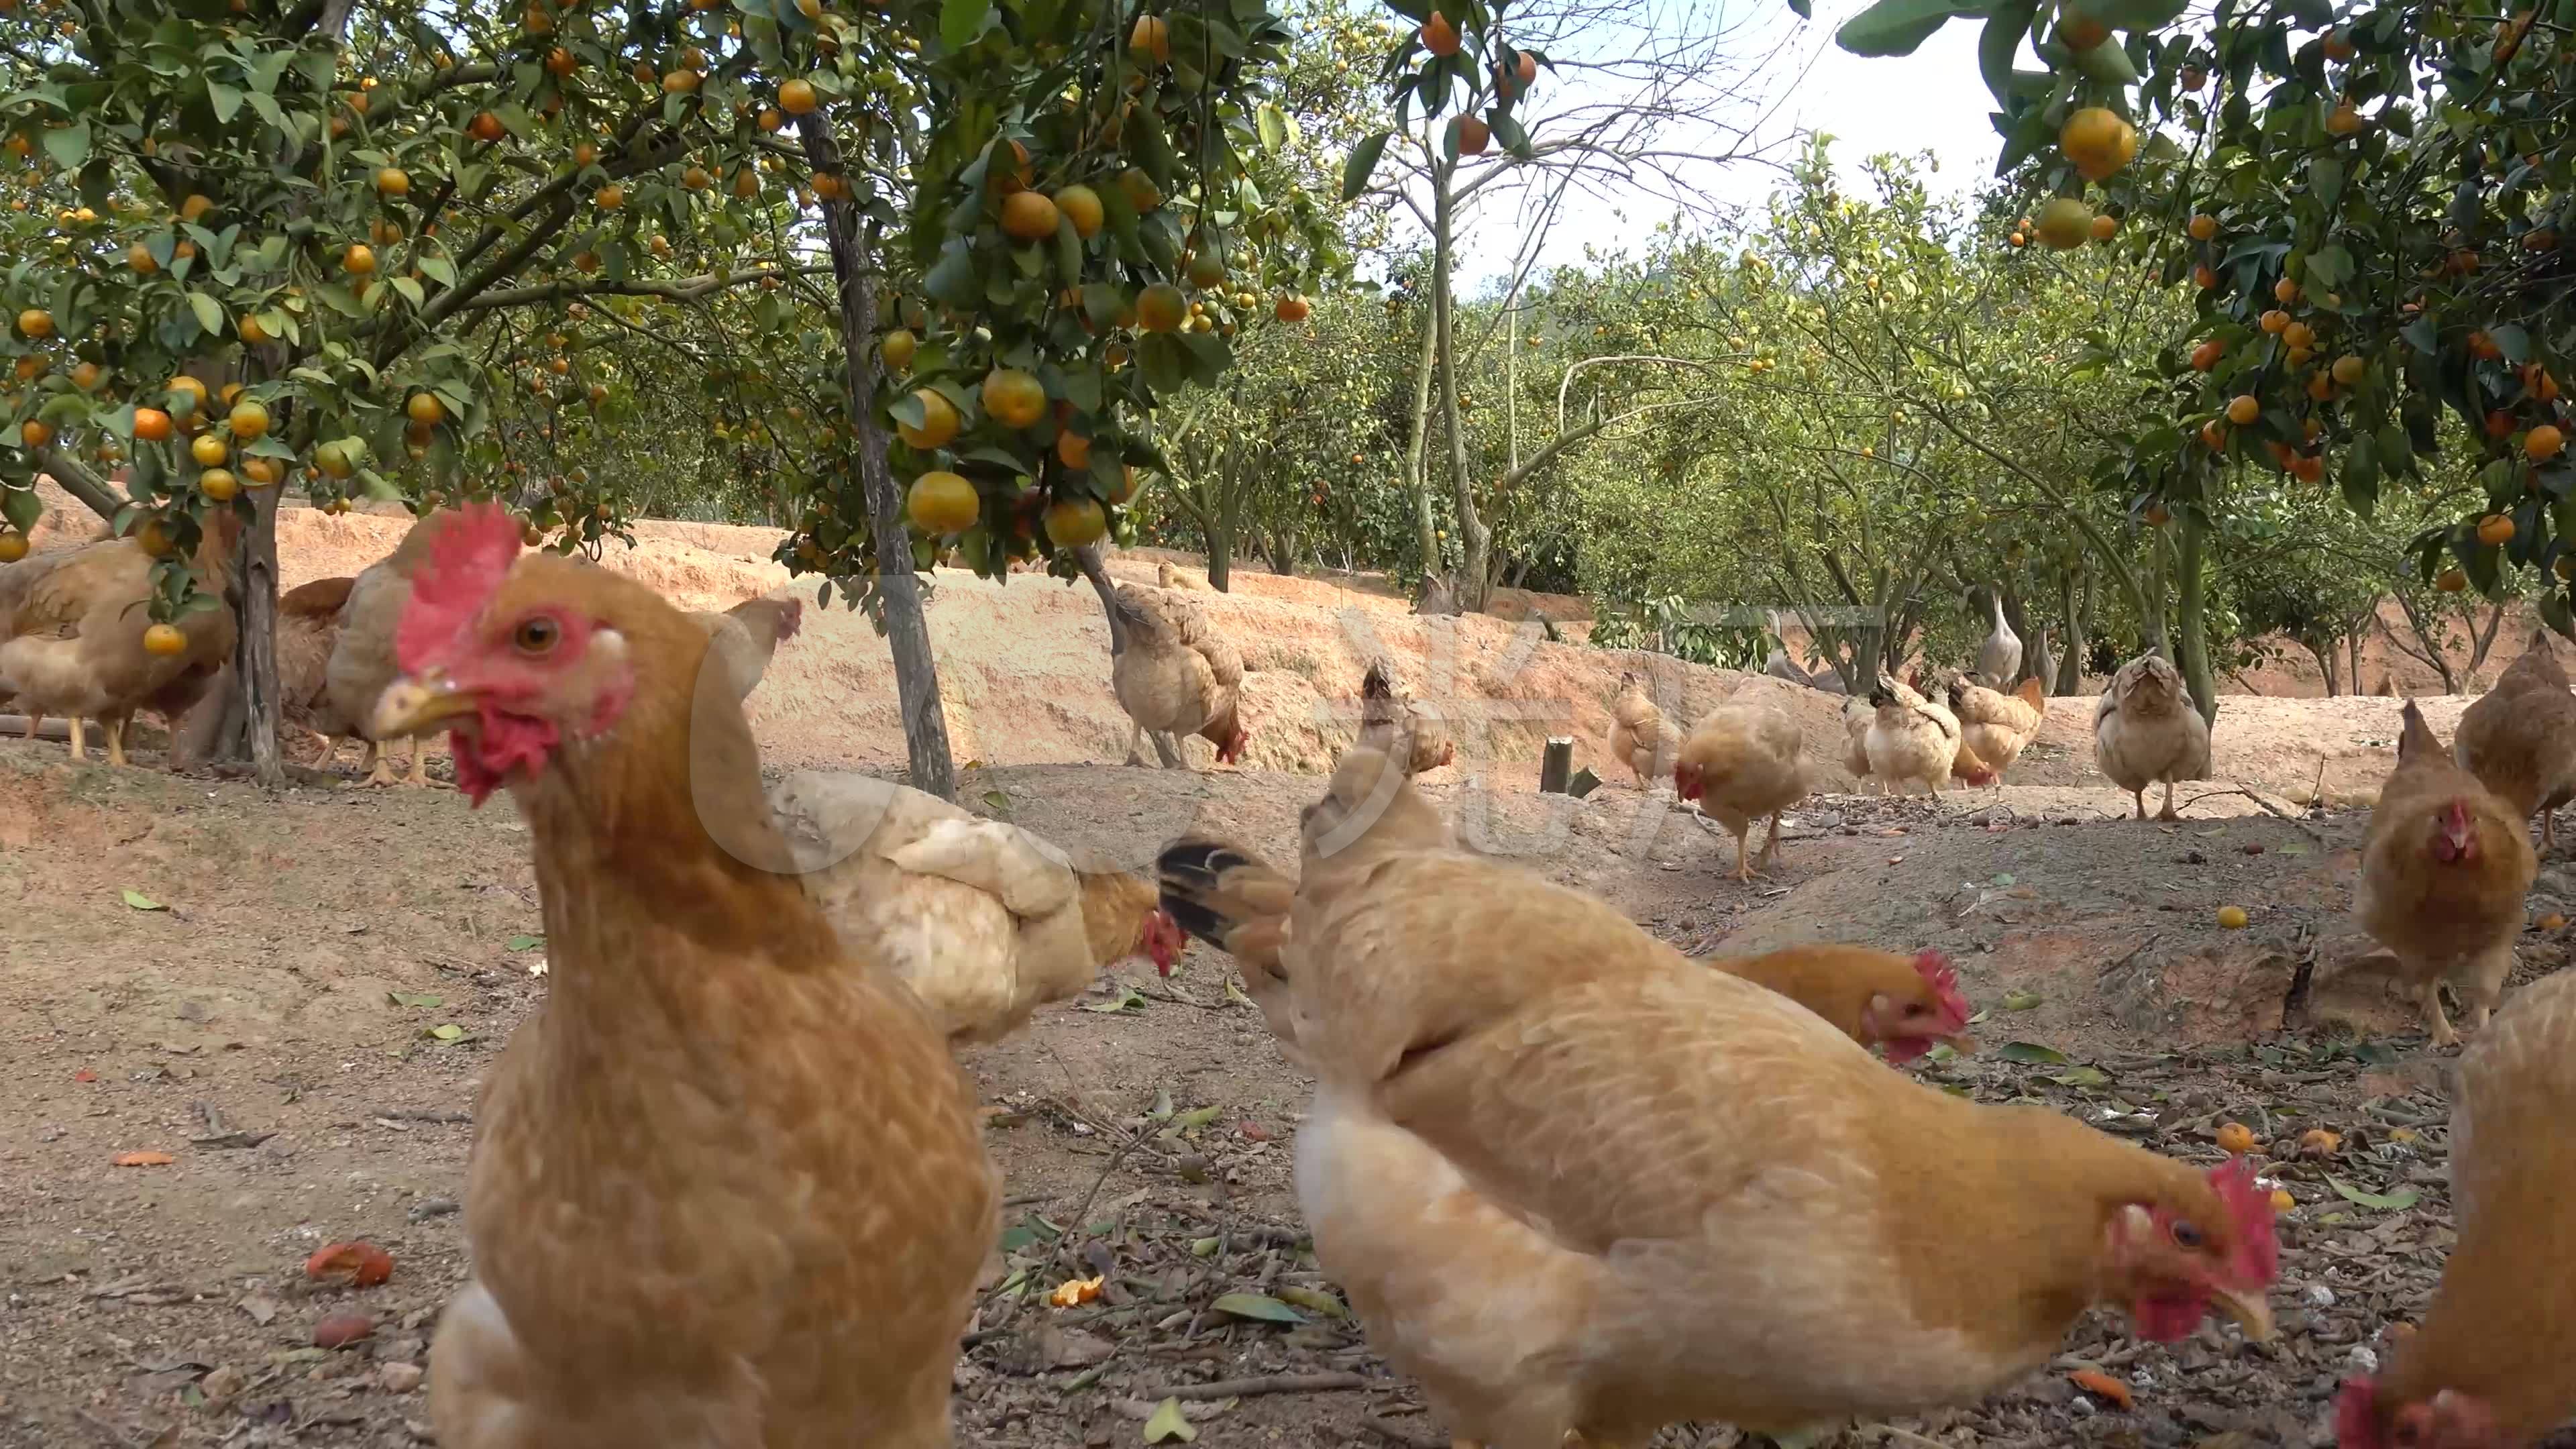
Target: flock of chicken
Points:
(1540, 1139)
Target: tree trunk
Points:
(2324, 652)
(255, 652)
(1475, 583)
(916, 673)
(2352, 642)
(2484, 640)
(2190, 622)
(2076, 642)
(1416, 444)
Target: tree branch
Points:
(75, 478)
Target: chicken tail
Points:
(1370, 801)
(2419, 741)
(1228, 897)
(2034, 694)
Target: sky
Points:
(1930, 101)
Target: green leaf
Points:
(1999, 42)
(1168, 1423)
(437, 269)
(69, 145)
(2020, 1000)
(2033, 1053)
(1363, 160)
(210, 313)
(226, 100)
(960, 21)
(1260, 1306)
(2109, 62)
(1803, 9)
(1896, 27)
(2138, 14)
(2083, 1077)
(2325, 180)
(526, 943)
(1273, 125)
(446, 1032)
(141, 902)
(2404, 1197)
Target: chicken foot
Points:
(114, 728)
(382, 773)
(80, 744)
(1770, 847)
(2434, 1020)
(2167, 813)
(1166, 748)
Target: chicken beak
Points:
(419, 705)
(2252, 1311)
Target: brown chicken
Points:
(1174, 674)
(2519, 738)
(1640, 737)
(362, 661)
(1994, 728)
(72, 623)
(726, 1186)
(1906, 1005)
(1172, 578)
(985, 921)
(1909, 740)
(1389, 714)
(2146, 729)
(1858, 715)
(308, 629)
(1739, 763)
(747, 636)
(1576, 1183)
(2443, 872)
(2490, 1367)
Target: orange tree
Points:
(2367, 204)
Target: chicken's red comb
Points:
(466, 563)
(1943, 980)
(790, 619)
(2257, 1258)
(2357, 1415)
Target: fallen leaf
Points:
(1205, 1247)
(1128, 999)
(144, 1159)
(1258, 1306)
(1167, 1423)
(1315, 1300)
(526, 943)
(2004, 879)
(2401, 1134)
(141, 902)
(339, 1330)
(446, 1031)
(84, 1075)
(1254, 1130)
(2020, 1000)
(415, 998)
(363, 1265)
(2083, 1077)
(2101, 1386)
(997, 800)
(1073, 1292)
(259, 1308)
(2404, 1197)
(2032, 1052)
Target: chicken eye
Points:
(2185, 1235)
(537, 635)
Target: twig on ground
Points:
(1265, 1384)
(406, 1114)
(1399, 1435)
(2267, 807)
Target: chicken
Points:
(1778, 665)
(2444, 868)
(362, 661)
(1994, 728)
(1172, 578)
(726, 1186)
(1575, 1183)
(1237, 902)
(1739, 763)
(2146, 729)
(1389, 714)
(1905, 1004)
(1640, 737)
(1999, 658)
(982, 919)
(75, 619)
(1175, 674)
(2042, 661)
(308, 629)
(2489, 1369)
(1909, 741)
(2519, 738)
(748, 635)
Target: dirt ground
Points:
(293, 996)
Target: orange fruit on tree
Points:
(1141, 191)
(393, 181)
(1151, 38)
(2016, 239)
(1073, 522)
(208, 450)
(2204, 276)
(196, 206)
(485, 127)
(2343, 120)
(2206, 355)
(2349, 369)
(13, 546)
(151, 425)
(2495, 530)
(2243, 409)
(250, 330)
(1126, 488)
(2499, 423)
(165, 641)
(2079, 31)
(139, 257)
(2321, 386)
(2213, 436)
(680, 82)
(1472, 135)
(2451, 581)
(561, 62)
(2203, 227)
(195, 390)
(1073, 450)
(218, 484)
(2338, 44)
(1014, 398)
(1081, 206)
(2064, 223)
(2099, 141)
(1161, 308)
(609, 197)
(425, 409)
(36, 323)
(2544, 442)
(1439, 36)
(898, 349)
(260, 472)
(2484, 347)
(941, 502)
(86, 375)
(2298, 335)
(2285, 291)
(939, 421)
(248, 419)
(2105, 226)
(36, 433)
(1293, 308)
(796, 97)
(359, 260)
(1028, 216)
(2275, 321)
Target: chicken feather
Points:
(2519, 738)
(1176, 674)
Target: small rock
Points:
(260, 1307)
(1192, 1167)
(2320, 1296)
(339, 1330)
(399, 1378)
(433, 1207)
(400, 1350)
(221, 1385)
(2364, 1359)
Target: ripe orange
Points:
(2343, 120)
(359, 261)
(2451, 581)
(942, 502)
(2156, 516)
(154, 538)
(1126, 488)
(1161, 308)
(1472, 134)
(13, 546)
(2298, 334)
(260, 472)
(1152, 39)
(2206, 355)
(1028, 216)
(898, 349)
(208, 450)
(2276, 321)
(2495, 530)
(36, 323)
(2213, 436)
(485, 127)
(248, 419)
(1439, 36)
(2064, 223)
(2544, 442)
(2232, 918)
(251, 332)
(2105, 226)
(939, 421)
(2016, 239)
(609, 197)
(2349, 369)
(1081, 206)
(2285, 291)
(2321, 386)
(35, 433)
(1073, 450)
(196, 206)
(2235, 1137)
(218, 484)
(151, 425)
(425, 409)
(1142, 193)
(393, 181)
(2081, 32)
(1293, 308)
(2499, 423)
(2204, 227)
(2098, 141)
(680, 82)
(165, 641)
(2243, 409)
(1073, 522)
(561, 62)
(139, 257)
(2339, 46)
(2484, 347)
(1013, 398)
(796, 97)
